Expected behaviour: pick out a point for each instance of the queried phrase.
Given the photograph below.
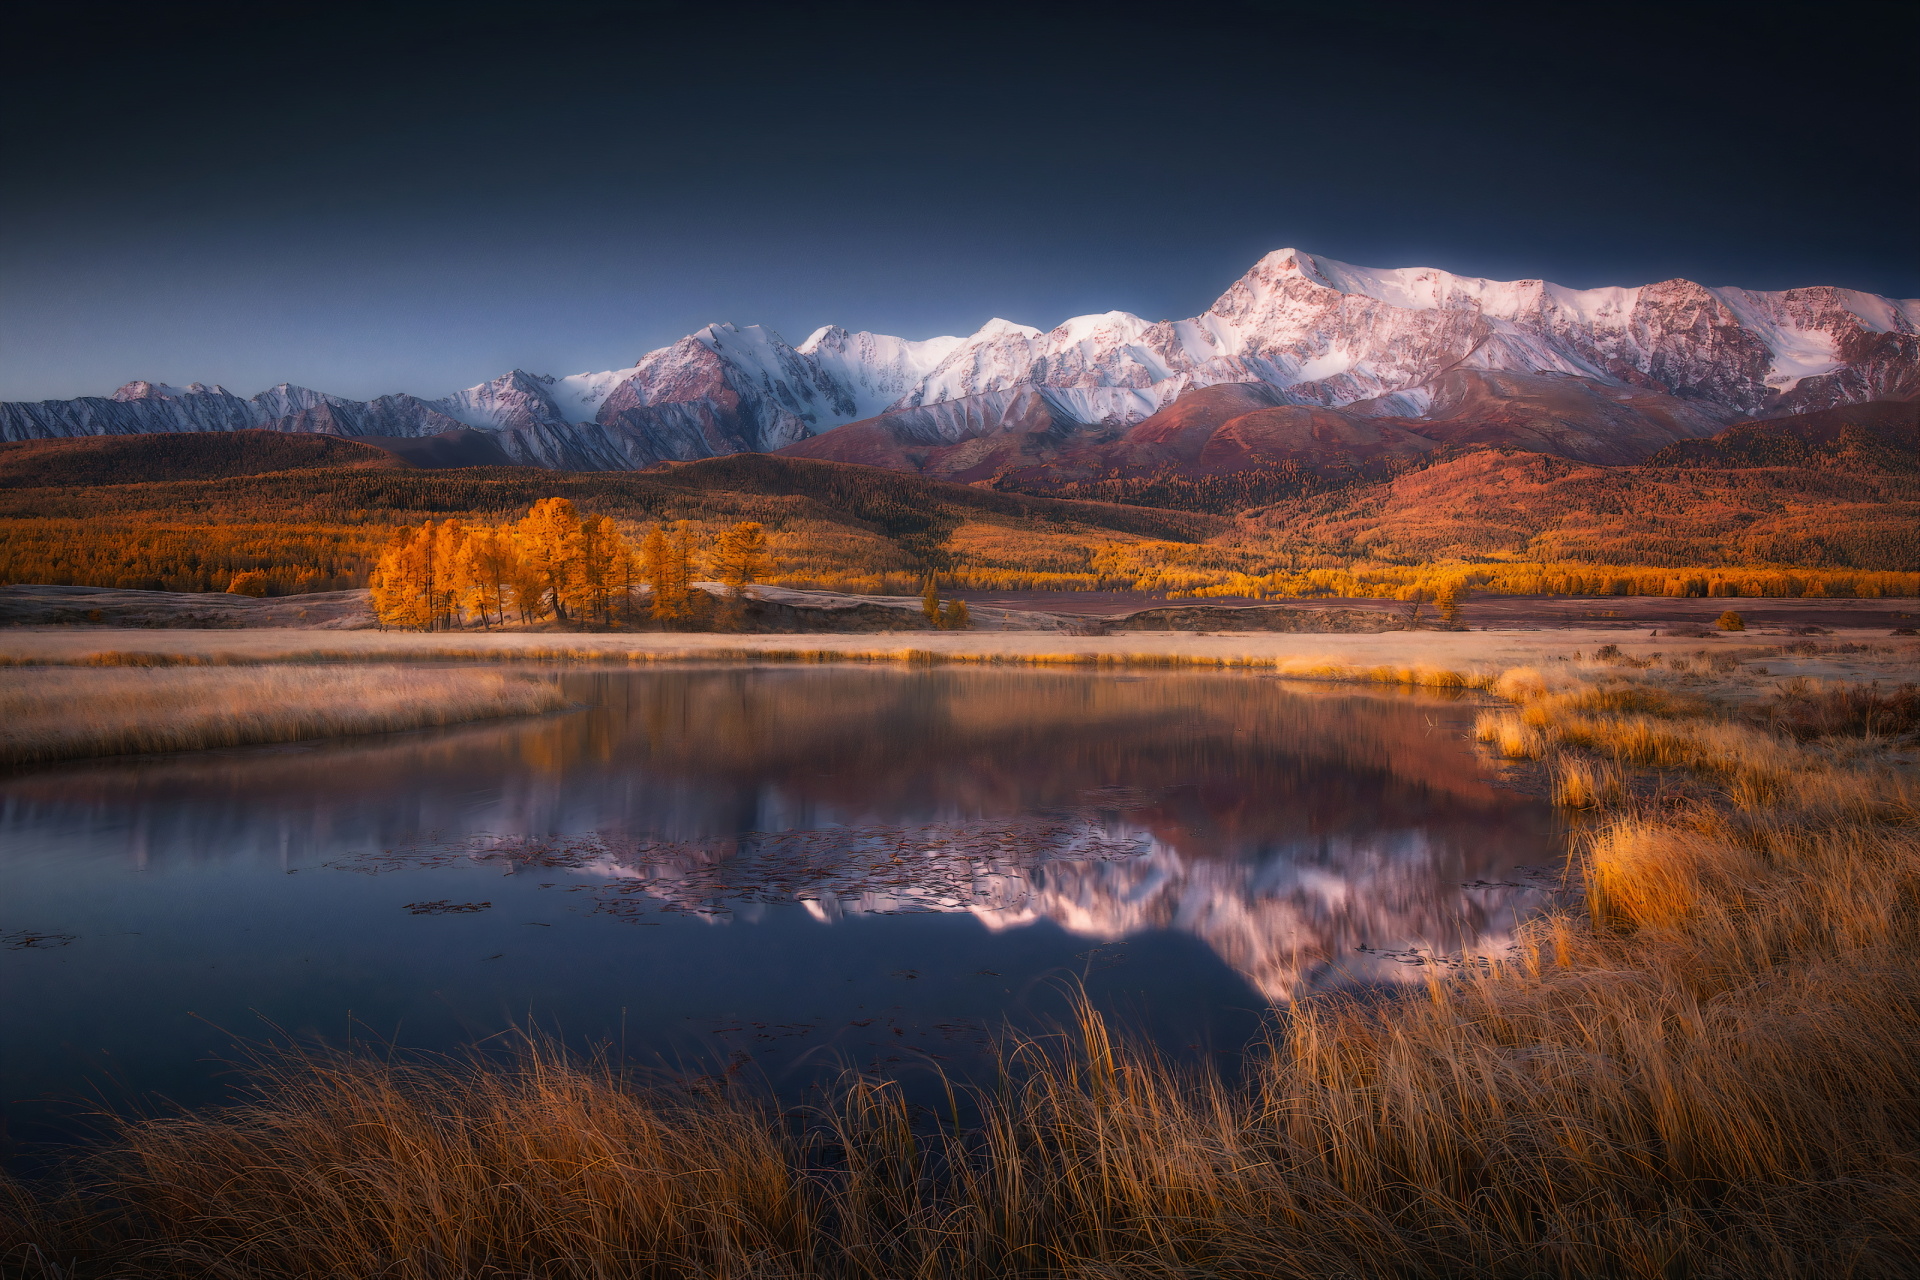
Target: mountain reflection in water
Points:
(978, 822)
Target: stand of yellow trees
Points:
(555, 563)
(951, 616)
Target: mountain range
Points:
(1304, 363)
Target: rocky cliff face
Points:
(1602, 374)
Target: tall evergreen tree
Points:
(548, 543)
(666, 565)
(680, 561)
(402, 580)
(597, 551)
(740, 557)
(487, 569)
(446, 589)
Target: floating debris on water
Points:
(444, 907)
(1427, 956)
(1545, 879)
(29, 940)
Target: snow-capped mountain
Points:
(1608, 373)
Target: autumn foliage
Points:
(567, 548)
(556, 564)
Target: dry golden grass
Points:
(1708, 1072)
(1588, 784)
(1426, 659)
(1506, 734)
(1474, 658)
(1137, 656)
(64, 713)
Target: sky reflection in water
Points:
(776, 868)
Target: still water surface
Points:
(774, 869)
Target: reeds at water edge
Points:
(64, 713)
(1709, 1071)
(1556, 1119)
(1146, 656)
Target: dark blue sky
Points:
(415, 196)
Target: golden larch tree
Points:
(401, 584)
(547, 541)
(446, 589)
(598, 556)
(486, 571)
(740, 557)
(666, 565)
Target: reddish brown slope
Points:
(1026, 445)
(1556, 413)
(189, 455)
(1879, 436)
(1017, 440)
(1234, 427)
(1527, 504)
(973, 438)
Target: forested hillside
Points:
(1501, 503)
(321, 528)
(192, 455)
(1840, 515)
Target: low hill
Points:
(830, 522)
(372, 486)
(1881, 436)
(189, 455)
(1511, 504)
(1560, 414)
(214, 455)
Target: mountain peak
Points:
(140, 389)
(998, 328)
(826, 336)
(1115, 324)
(1277, 260)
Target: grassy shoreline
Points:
(1441, 658)
(1708, 1070)
(68, 713)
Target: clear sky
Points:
(415, 196)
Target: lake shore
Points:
(73, 712)
(1702, 1064)
(1414, 657)
(788, 610)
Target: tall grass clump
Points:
(65, 713)
(1807, 710)
(1586, 784)
(1508, 735)
(1707, 1071)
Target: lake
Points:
(776, 870)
